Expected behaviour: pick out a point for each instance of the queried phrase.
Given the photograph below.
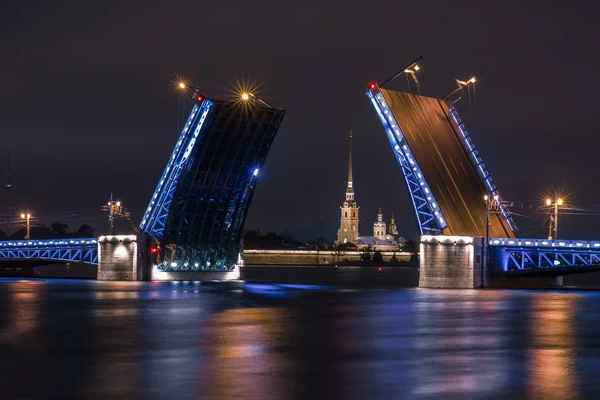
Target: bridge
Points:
(194, 219)
(447, 181)
(193, 223)
(60, 250)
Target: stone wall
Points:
(453, 262)
(311, 257)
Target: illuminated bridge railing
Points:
(528, 254)
(72, 250)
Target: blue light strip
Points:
(430, 217)
(47, 242)
(469, 147)
(546, 243)
(155, 217)
(74, 250)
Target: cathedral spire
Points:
(350, 162)
(348, 232)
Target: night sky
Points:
(88, 106)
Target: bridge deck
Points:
(452, 177)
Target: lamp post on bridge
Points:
(491, 201)
(553, 219)
(114, 208)
(26, 216)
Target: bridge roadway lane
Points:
(445, 164)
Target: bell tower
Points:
(348, 232)
(379, 230)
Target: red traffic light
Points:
(372, 86)
(153, 250)
(199, 98)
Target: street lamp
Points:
(114, 208)
(26, 217)
(461, 85)
(405, 70)
(246, 96)
(557, 202)
(490, 202)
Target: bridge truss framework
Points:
(530, 254)
(69, 250)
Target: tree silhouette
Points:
(377, 257)
(59, 230)
(84, 231)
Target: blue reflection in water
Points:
(86, 339)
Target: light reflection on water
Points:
(98, 339)
(552, 343)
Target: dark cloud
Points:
(87, 108)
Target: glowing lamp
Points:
(245, 96)
(181, 85)
(559, 202)
(548, 202)
(153, 250)
(372, 86)
(199, 98)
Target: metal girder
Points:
(157, 212)
(73, 250)
(429, 217)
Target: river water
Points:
(88, 339)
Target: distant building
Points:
(383, 239)
(379, 230)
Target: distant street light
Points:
(553, 222)
(26, 217)
(181, 85)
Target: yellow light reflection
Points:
(242, 342)
(551, 361)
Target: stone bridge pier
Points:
(124, 258)
(452, 262)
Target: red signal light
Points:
(199, 98)
(153, 250)
(373, 86)
(379, 269)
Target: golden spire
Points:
(350, 162)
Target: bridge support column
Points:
(452, 262)
(123, 258)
